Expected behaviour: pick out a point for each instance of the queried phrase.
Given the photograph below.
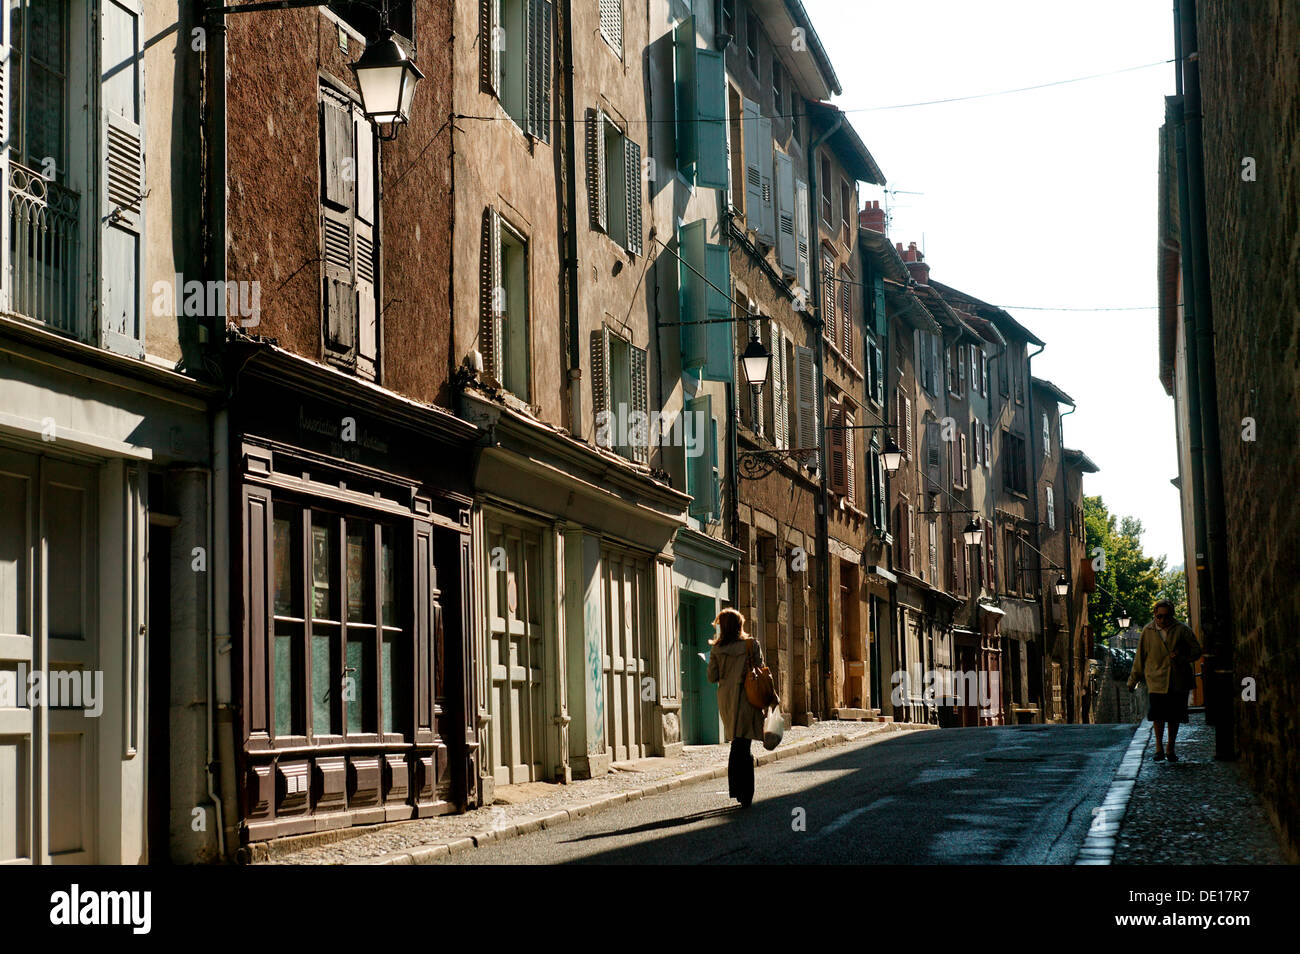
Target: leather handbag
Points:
(760, 688)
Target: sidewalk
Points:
(520, 809)
(1194, 811)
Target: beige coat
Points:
(727, 666)
(1152, 661)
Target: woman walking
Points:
(1164, 660)
(733, 654)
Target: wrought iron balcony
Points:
(43, 249)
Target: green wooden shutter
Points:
(878, 291)
(720, 361)
(692, 301)
(711, 120)
(122, 177)
(700, 469)
(684, 94)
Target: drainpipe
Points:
(1071, 716)
(570, 221)
(823, 495)
(1043, 591)
(214, 252)
(1217, 629)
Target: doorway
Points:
(700, 723)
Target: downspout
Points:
(1043, 590)
(1071, 715)
(1216, 627)
(823, 495)
(571, 226)
(214, 239)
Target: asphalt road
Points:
(1014, 795)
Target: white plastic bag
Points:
(773, 729)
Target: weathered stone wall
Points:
(1251, 93)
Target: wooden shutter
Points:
(904, 541)
(960, 360)
(846, 314)
(932, 533)
(802, 264)
(907, 423)
(489, 326)
(122, 177)
(338, 220)
(611, 23)
(366, 260)
(489, 59)
(753, 167)
(838, 470)
(1047, 435)
(1051, 508)
(988, 447)
(711, 167)
(596, 200)
(780, 395)
(640, 403)
(719, 364)
(699, 476)
(809, 413)
(965, 459)
(830, 327)
(934, 364)
(600, 391)
(539, 68)
(850, 459)
(878, 298)
(933, 459)
(785, 202)
(692, 265)
(632, 153)
(767, 226)
(881, 502)
(878, 388)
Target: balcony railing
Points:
(43, 249)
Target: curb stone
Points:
(1098, 847)
(427, 854)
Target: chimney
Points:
(873, 217)
(915, 260)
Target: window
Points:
(778, 88)
(846, 313)
(611, 24)
(348, 205)
(516, 62)
(875, 374)
(1013, 463)
(729, 17)
(828, 204)
(1047, 435)
(975, 377)
(614, 181)
(619, 395)
(504, 307)
(846, 210)
(336, 664)
(1051, 508)
(751, 42)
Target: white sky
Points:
(1044, 198)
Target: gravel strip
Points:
(551, 807)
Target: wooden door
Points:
(516, 625)
(626, 591)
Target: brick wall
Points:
(1251, 93)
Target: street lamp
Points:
(387, 79)
(892, 456)
(756, 360)
(1123, 619)
(1062, 586)
(974, 534)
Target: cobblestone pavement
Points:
(1195, 811)
(517, 802)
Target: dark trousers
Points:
(740, 771)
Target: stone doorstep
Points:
(426, 854)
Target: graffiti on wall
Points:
(595, 678)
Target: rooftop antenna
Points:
(889, 208)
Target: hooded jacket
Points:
(727, 666)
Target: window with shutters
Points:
(516, 60)
(1047, 435)
(961, 463)
(504, 319)
(620, 397)
(703, 473)
(705, 304)
(808, 404)
(1051, 508)
(614, 174)
(736, 149)
(876, 488)
(976, 443)
(349, 203)
(786, 202)
(1013, 463)
(841, 444)
(828, 203)
(830, 320)
(611, 24)
(875, 374)
(700, 111)
(751, 42)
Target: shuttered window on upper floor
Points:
(611, 24)
(515, 60)
(704, 304)
(700, 109)
(614, 173)
(620, 395)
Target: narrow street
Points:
(1014, 795)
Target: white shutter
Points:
(753, 168)
(801, 233)
(785, 202)
(640, 406)
(767, 225)
(632, 154)
(780, 394)
(850, 459)
(5, 80)
(596, 168)
(122, 177)
(366, 260)
(489, 328)
(809, 416)
(611, 23)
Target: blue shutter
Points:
(692, 264)
(882, 323)
(684, 92)
(700, 469)
(719, 338)
(711, 115)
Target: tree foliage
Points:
(1130, 579)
